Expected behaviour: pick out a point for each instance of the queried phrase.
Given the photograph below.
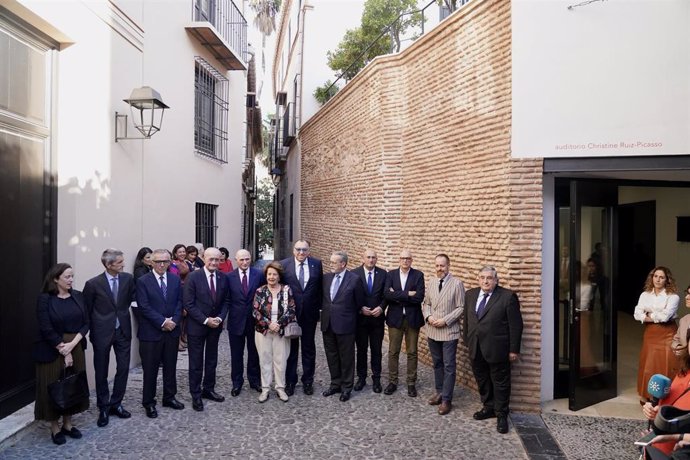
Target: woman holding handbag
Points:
(274, 309)
(63, 323)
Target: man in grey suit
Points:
(343, 297)
(108, 297)
(492, 331)
(442, 307)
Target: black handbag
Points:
(70, 389)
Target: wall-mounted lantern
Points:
(276, 176)
(147, 110)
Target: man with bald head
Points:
(243, 283)
(206, 299)
(404, 292)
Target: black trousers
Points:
(203, 360)
(152, 354)
(237, 345)
(101, 362)
(308, 354)
(493, 380)
(340, 354)
(369, 336)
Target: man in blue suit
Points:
(206, 299)
(304, 275)
(159, 309)
(243, 282)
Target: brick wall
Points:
(415, 153)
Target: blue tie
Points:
(482, 305)
(301, 275)
(115, 289)
(336, 285)
(370, 283)
(164, 288)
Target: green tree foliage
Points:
(322, 93)
(264, 214)
(376, 17)
(266, 11)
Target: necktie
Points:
(482, 305)
(336, 285)
(115, 288)
(440, 285)
(213, 288)
(301, 274)
(164, 288)
(245, 287)
(370, 283)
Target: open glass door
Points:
(590, 313)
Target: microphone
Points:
(658, 387)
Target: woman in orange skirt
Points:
(656, 310)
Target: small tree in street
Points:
(264, 214)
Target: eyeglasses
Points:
(161, 261)
(302, 249)
(406, 258)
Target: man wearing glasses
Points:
(304, 275)
(159, 300)
(404, 292)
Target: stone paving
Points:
(368, 426)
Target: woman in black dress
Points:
(143, 263)
(63, 324)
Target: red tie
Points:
(245, 287)
(213, 288)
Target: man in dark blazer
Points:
(343, 297)
(304, 275)
(404, 292)
(243, 281)
(492, 331)
(206, 299)
(370, 321)
(159, 311)
(108, 297)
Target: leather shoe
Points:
(444, 408)
(256, 387)
(411, 391)
(290, 389)
(103, 418)
(361, 383)
(72, 432)
(390, 389)
(235, 391)
(377, 386)
(502, 424)
(174, 404)
(198, 405)
(331, 391)
(58, 438)
(308, 389)
(345, 396)
(151, 412)
(212, 395)
(435, 400)
(484, 414)
(120, 411)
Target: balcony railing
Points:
(289, 128)
(220, 26)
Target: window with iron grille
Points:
(211, 90)
(206, 226)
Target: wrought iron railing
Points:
(289, 128)
(227, 19)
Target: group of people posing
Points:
(170, 292)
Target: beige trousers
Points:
(273, 354)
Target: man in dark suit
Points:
(370, 321)
(243, 281)
(404, 292)
(206, 299)
(108, 297)
(304, 275)
(159, 310)
(492, 331)
(343, 297)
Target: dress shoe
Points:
(484, 414)
(236, 391)
(345, 396)
(151, 412)
(72, 432)
(331, 391)
(444, 408)
(361, 383)
(174, 404)
(377, 386)
(308, 389)
(198, 405)
(58, 438)
(282, 395)
(390, 389)
(102, 418)
(502, 424)
(120, 411)
(411, 391)
(256, 387)
(435, 400)
(212, 395)
(290, 389)
(263, 397)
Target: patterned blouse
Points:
(263, 302)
